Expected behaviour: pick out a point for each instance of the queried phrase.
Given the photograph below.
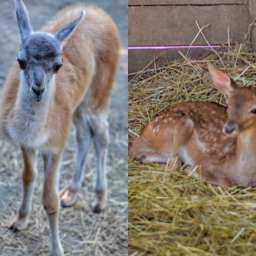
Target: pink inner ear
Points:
(221, 80)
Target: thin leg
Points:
(29, 175)
(100, 129)
(51, 199)
(154, 157)
(84, 141)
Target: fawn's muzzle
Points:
(230, 127)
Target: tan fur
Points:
(91, 54)
(85, 82)
(28, 173)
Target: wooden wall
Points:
(159, 22)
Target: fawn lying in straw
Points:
(63, 74)
(221, 141)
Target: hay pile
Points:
(169, 212)
(82, 232)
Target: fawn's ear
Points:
(221, 80)
(23, 20)
(64, 33)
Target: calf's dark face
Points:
(39, 57)
(39, 60)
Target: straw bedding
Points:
(169, 212)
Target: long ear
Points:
(64, 33)
(23, 20)
(221, 80)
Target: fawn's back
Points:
(221, 141)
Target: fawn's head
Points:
(40, 54)
(241, 102)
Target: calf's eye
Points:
(253, 111)
(56, 67)
(22, 63)
(38, 57)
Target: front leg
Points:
(28, 178)
(51, 199)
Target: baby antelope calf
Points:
(63, 74)
(221, 141)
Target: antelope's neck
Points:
(26, 105)
(28, 125)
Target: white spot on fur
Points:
(227, 147)
(27, 129)
(200, 145)
(156, 129)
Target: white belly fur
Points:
(27, 129)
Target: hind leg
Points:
(84, 141)
(162, 147)
(99, 125)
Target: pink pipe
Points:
(172, 47)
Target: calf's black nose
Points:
(38, 84)
(38, 93)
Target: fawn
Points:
(63, 74)
(221, 141)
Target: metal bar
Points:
(173, 47)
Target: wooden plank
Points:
(177, 25)
(186, 2)
(252, 9)
(160, 25)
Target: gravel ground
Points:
(82, 232)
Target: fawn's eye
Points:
(56, 67)
(253, 111)
(22, 63)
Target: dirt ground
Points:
(82, 232)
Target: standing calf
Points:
(222, 142)
(64, 74)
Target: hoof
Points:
(57, 249)
(58, 253)
(14, 229)
(68, 198)
(64, 205)
(19, 224)
(98, 209)
(142, 159)
(101, 201)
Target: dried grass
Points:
(169, 212)
(82, 232)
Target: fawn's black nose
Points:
(230, 127)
